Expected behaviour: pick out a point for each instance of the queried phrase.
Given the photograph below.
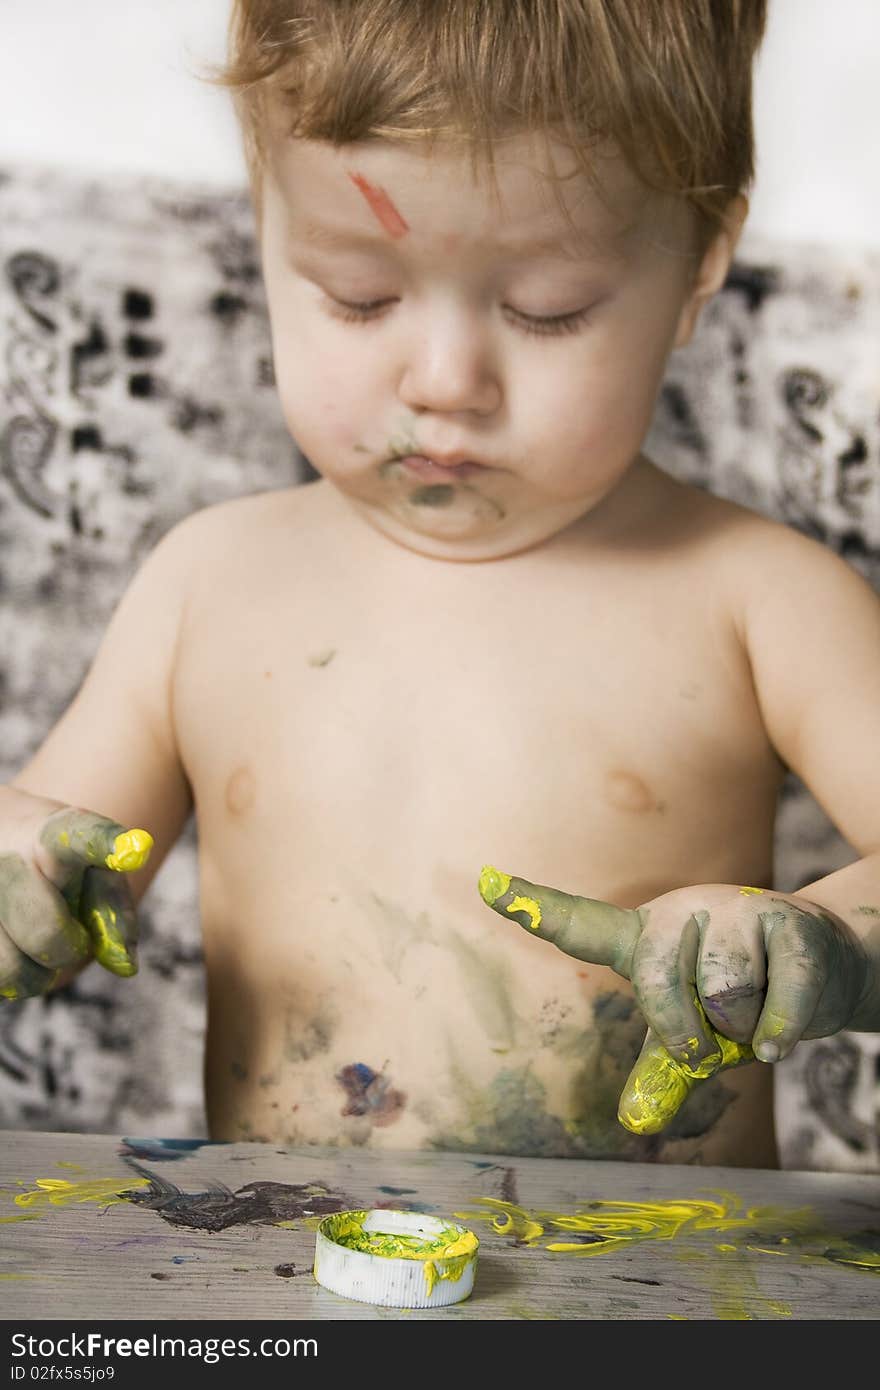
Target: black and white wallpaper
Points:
(136, 386)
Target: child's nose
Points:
(450, 367)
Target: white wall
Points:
(110, 84)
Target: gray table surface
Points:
(99, 1226)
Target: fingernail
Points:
(131, 850)
(493, 885)
(767, 1052)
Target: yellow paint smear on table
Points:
(612, 1225)
(58, 1192)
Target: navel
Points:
(627, 792)
(241, 791)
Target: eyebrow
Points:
(571, 249)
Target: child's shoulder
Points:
(743, 532)
(762, 555)
(240, 526)
(251, 517)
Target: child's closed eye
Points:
(537, 325)
(548, 325)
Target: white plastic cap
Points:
(399, 1259)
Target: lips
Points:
(430, 471)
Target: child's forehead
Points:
(533, 196)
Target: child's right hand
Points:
(63, 894)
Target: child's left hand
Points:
(722, 974)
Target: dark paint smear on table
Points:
(218, 1208)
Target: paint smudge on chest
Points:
(370, 1094)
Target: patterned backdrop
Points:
(136, 386)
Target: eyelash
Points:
(538, 326)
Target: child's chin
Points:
(469, 542)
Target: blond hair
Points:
(667, 82)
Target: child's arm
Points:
(725, 972)
(65, 892)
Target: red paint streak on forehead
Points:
(382, 206)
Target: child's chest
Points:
(612, 744)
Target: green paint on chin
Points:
(434, 495)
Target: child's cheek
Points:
(326, 417)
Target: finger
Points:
(36, 919)
(797, 972)
(664, 981)
(107, 910)
(585, 928)
(733, 999)
(76, 838)
(21, 977)
(658, 1086)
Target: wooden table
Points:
(141, 1229)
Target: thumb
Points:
(658, 1085)
(585, 928)
(82, 839)
(107, 912)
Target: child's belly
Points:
(363, 1015)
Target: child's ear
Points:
(713, 268)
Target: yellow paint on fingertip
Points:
(751, 890)
(529, 906)
(662, 1086)
(493, 884)
(657, 1094)
(131, 850)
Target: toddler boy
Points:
(493, 632)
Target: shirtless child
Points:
(492, 633)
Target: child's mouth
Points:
(431, 472)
